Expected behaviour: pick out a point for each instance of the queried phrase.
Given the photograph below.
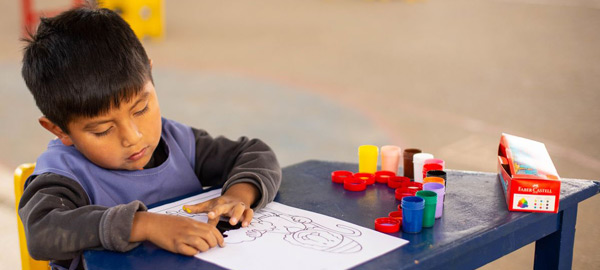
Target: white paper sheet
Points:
(284, 237)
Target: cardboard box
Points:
(528, 176)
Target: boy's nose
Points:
(130, 135)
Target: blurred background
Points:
(317, 78)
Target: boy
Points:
(114, 154)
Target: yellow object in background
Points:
(145, 17)
(367, 158)
(27, 263)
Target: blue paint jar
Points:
(412, 214)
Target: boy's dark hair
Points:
(82, 63)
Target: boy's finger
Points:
(210, 238)
(213, 221)
(238, 211)
(218, 236)
(219, 210)
(186, 250)
(197, 208)
(200, 244)
(248, 215)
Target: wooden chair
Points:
(27, 263)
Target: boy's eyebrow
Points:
(143, 97)
(92, 125)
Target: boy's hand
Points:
(223, 205)
(235, 204)
(175, 233)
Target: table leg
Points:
(555, 251)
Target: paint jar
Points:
(433, 164)
(440, 174)
(390, 158)
(408, 161)
(432, 179)
(430, 199)
(441, 162)
(412, 214)
(439, 190)
(367, 158)
(418, 161)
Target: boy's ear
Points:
(150, 63)
(56, 130)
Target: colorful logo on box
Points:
(523, 203)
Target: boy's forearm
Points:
(140, 226)
(54, 203)
(240, 161)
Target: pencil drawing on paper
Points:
(294, 238)
(180, 212)
(300, 231)
(296, 230)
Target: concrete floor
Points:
(317, 78)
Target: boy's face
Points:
(122, 139)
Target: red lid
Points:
(413, 190)
(396, 214)
(387, 225)
(400, 195)
(383, 176)
(396, 181)
(434, 161)
(433, 166)
(355, 184)
(368, 177)
(402, 189)
(416, 184)
(404, 185)
(340, 176)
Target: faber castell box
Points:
(528, 176)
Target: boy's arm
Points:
(59, 221)
(220, 161)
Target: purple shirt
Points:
(174, 177)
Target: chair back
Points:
(145, 17)
(27, 263)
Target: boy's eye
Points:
(103, 133)
(144, 110)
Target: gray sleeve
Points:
(59, 221)
(220, 161)
(115, 226)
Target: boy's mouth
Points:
(138, 155)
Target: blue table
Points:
(476, 227)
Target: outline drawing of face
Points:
(299, 231)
